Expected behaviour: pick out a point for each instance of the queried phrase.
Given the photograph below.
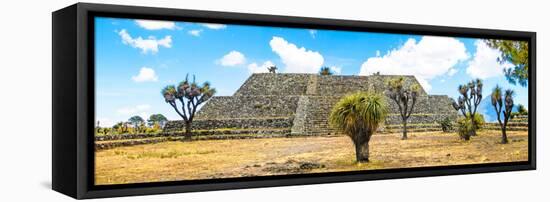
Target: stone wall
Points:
(341, 85)
(302, 103)
(211, 124)
(274, 84)
(230, 107)
(313, 112)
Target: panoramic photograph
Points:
(177, 101)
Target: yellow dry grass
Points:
(170, 161)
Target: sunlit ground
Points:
(175, 160)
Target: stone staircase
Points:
(312, 116)
(319, 112)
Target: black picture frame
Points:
(73, 100)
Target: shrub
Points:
(464, 125)
(464, 128)
(446, 125)
(522, 110)
(479, 121)
(152, 130)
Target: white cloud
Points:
(213, 26)
(484, 64)
(452, 72)
(156, 24)
(133, 109)
(195, 32)
(145, 74)
(335, 69)
(151, 44)
(297, 60)
(313, 33)
(428, 58)
(140, 110)
(104, 122)
(255, 68)
(232, 58)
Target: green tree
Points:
(121, 127)
(325, 71)
(136, 121)
(405, 98)
(515, 53)
(358, 116)
(190, 95)
(468, 101)
(497, 102)
(156, 119)
(522, 110)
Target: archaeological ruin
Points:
(299, 104)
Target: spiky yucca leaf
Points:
(359, 111)
(169, 92)
(496, 96)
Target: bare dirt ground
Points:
(170, 161)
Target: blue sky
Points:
(135, 59)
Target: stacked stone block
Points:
(301, 104)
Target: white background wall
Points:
(25, 102)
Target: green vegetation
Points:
(405, 98)
(156, 119)
(468, 101)
(190, 95)
(515, 53)
(138, 123)
(446, 125)
(497, 102)
(134, 125)
(465, 124)
(522, 110)
(325, 71)
(358, 116)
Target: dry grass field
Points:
(169, 161)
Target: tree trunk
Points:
(404, 137)
(504, 137)
(474, 127)
(362, 149)
(188, 132)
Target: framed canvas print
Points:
(155, 100)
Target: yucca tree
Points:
(497, 102)
(136, 121)
(405, 98)
(190, 95)
(272, 69)
(358, 116)
(468, 101)
(156, 119)
(325, 71)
